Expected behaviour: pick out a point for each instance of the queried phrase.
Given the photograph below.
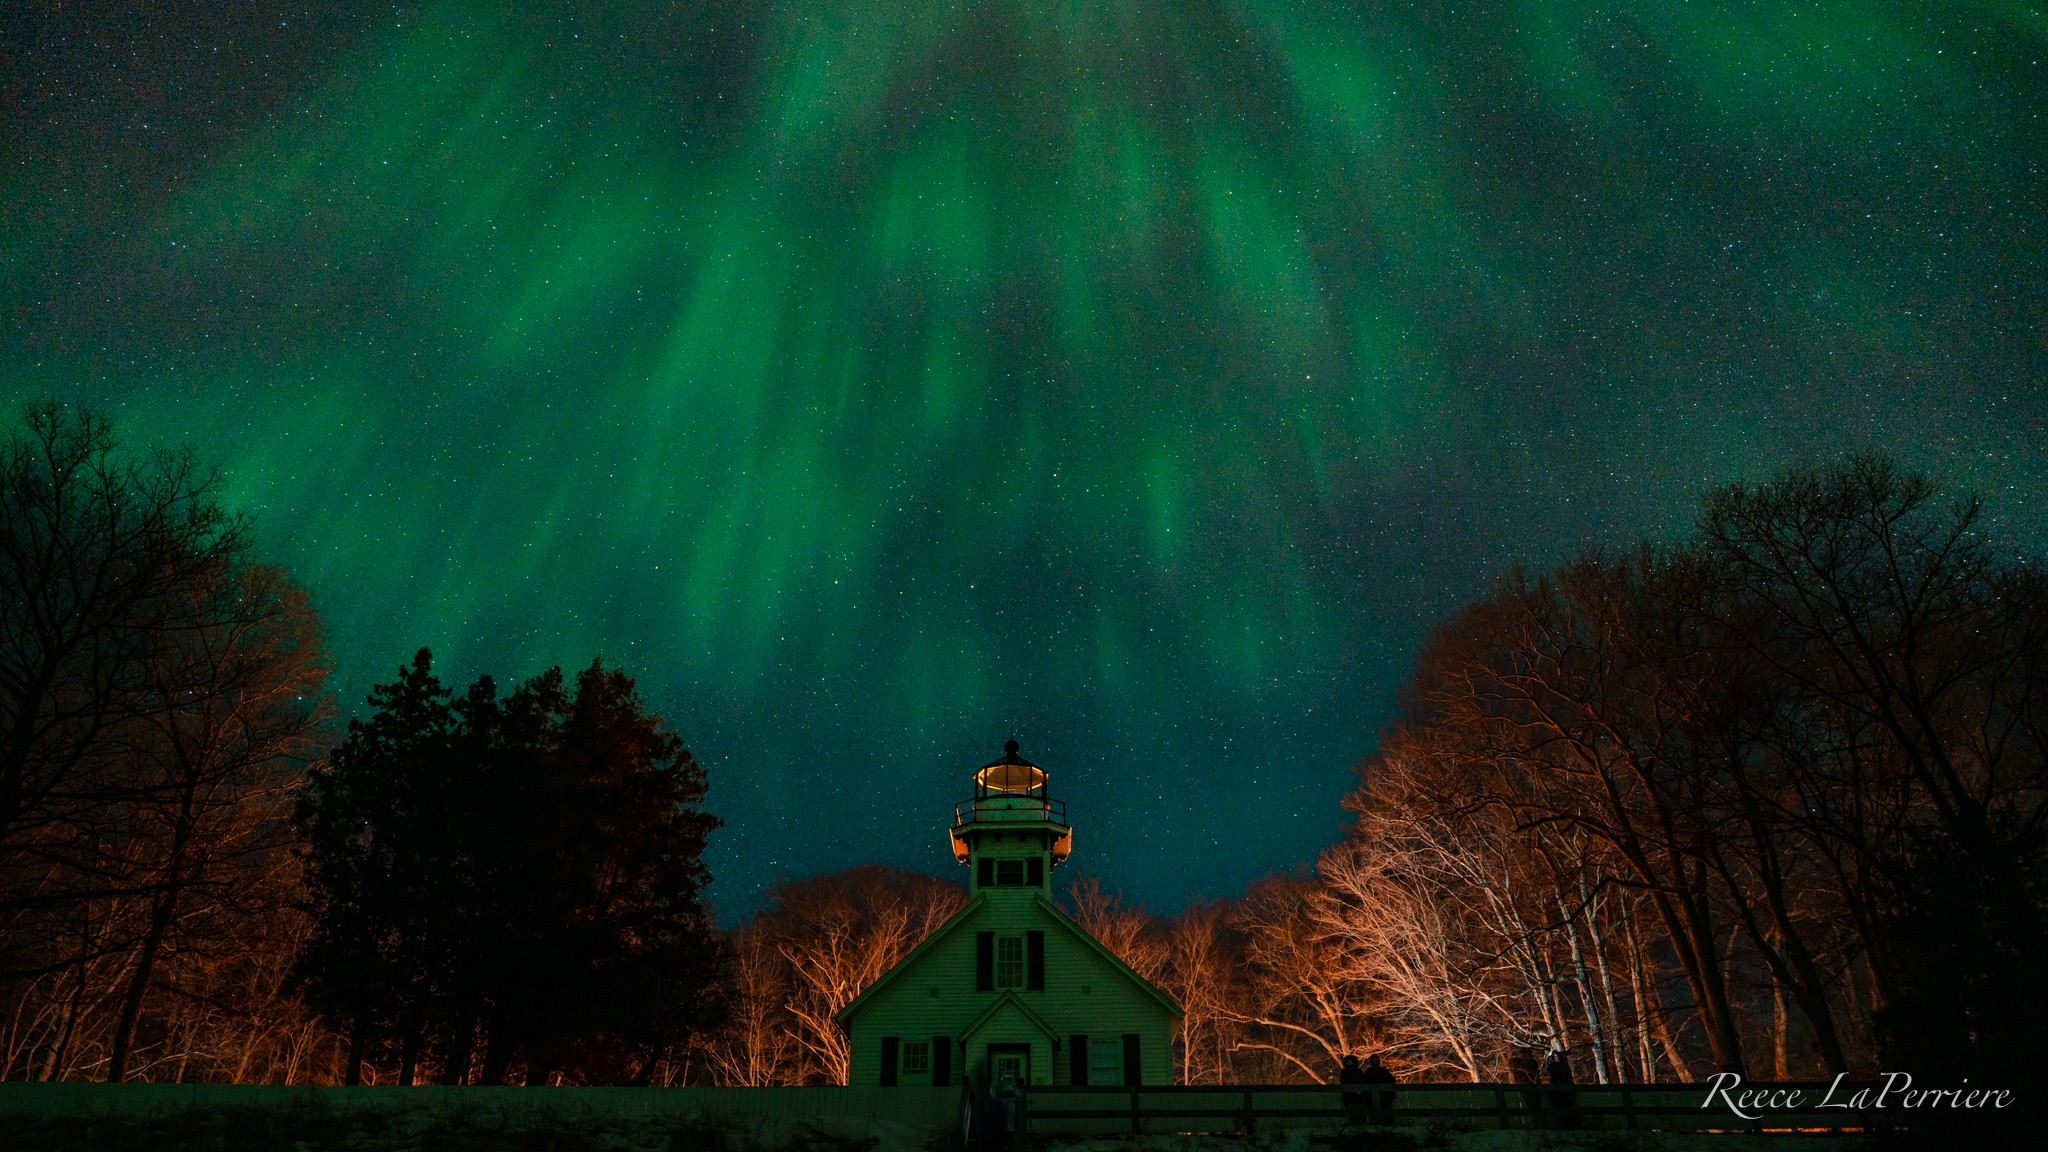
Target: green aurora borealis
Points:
(868, 378)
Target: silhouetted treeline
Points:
(1773, 796)
(196, 883)
(1768, 798)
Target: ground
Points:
(321, 1130)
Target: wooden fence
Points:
(929, 1108)
(1250, 1108)
(1039, 1111)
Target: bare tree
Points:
(838, 933)
(158, 694)
(1429, 912)
(1298, 999)
(758, 1045)
(1129, 931)
(212, 762)
(1793, 764)
(102, 553)
(1203, 970)
(1540, 693)
(1907, 653)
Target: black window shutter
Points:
(1034, 872)
(1133, 1070)
(888, 1061)
(984, 961)
(1034, 961)
(988, 872)
(1077, 1060)
(942, 1061)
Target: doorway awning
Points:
(1009, 1002)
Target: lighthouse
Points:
(1011, 990)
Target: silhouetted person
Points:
(1376, 1074)
(1557, 1068)
(1557, 1073)
(989, 1108)
(1357, 1105)
(1522, 1067)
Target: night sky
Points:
(872, 378)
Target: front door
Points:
(1009, 1068)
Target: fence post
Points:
(1247, 1118)
(1134, 1111)
(1023, 1122)
(1500, 1105)
(1628, 1105)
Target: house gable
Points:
(1116, 962)
(1010, 986)
(910, 962)
(1041, 913)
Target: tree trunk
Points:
(408, 1049)
(1680, 1067)
(1784, 947)
(138, 987)
(497, 1053)
(1691, 929)
(645, 1075)
(1780, 1022)
(1596, 1033)
(1606, 973)
(358, 1041)
(1644, 1056)
(461, 1050)
(53, 1069)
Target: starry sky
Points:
(874, 378)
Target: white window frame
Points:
(1011, 962)
(1105, 1062)
(915, 1058)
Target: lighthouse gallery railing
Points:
(1010, 810)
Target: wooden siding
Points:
(1083, 993)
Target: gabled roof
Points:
(910, 960)
(1009, 999)
(1115, 961)
(961, 917)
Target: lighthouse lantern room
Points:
(1010, 834)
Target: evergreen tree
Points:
(524, 872)
(370, 829)
(590, 857)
